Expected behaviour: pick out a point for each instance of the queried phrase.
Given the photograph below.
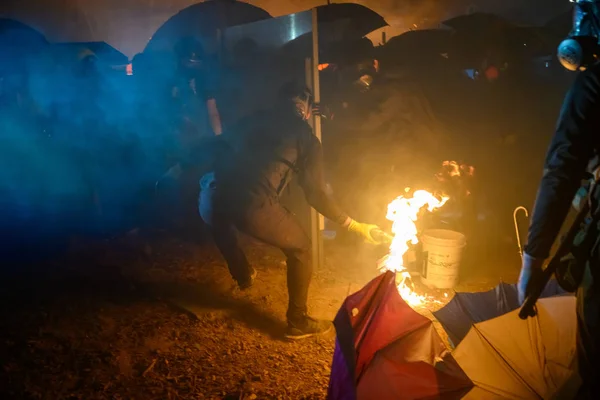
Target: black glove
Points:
(322, 111)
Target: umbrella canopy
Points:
(416, 46)
(511, 358)
(203, 19)
(18, 44)
(362, 19)
(478, 23)
(18, 35)
(386, 350)
(104, 52)
(431, 40)
(533, 41)
(465, 309)
(339, 24)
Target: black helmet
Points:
(291, 90)
(189, 50)
(580, 49)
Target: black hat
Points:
(190, 48)
(292, 89)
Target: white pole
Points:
(317, 220)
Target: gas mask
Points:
(304, 104)
(580, 49)
(361, 75)
(363, 84)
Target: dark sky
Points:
(128, 24)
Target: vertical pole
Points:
(317, 220)
(308, 73)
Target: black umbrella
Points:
(338, 24)
(426, 41)
(203, 19)
(18, 44)
(483, 36)
(362, 19)
(104, 52)
(533, 41)
(479, 23)
(18, 36)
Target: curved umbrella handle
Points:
(517, 226)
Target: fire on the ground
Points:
(404, 212)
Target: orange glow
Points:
(404, 212)
(492, 73)
(323, 66)
(452, 168)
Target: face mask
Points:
(580, 49)
(364, 83)
(303, 106)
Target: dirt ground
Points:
(160, 318)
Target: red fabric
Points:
(390, 380)
(406, 369)
(390, 349)
(383, 317)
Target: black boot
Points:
(305, 327)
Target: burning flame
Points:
(404, 212)
(452, 168)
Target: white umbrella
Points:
(511, 358)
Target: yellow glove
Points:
(367, 231)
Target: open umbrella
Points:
(362, 19)
(416, 46)
(20, 46)
(466, 309)
(203, 19)
(511, 358)
(533, 41)
(478, 23)
(17, 34)
(386, 350)
(104, 52)
(339, 24)
(430, 40)
(18, 43)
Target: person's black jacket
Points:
(575, 143)
(267, 149)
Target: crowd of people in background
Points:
(88, 150)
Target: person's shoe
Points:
(247, 284)
(307, 327)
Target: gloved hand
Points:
(371, 233)
(322, 111)
(531, 274)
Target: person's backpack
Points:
(571, 268)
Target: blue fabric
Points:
(466, 309)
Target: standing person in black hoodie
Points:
(243, 194)
(576, 143)
(194, 108)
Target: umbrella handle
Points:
(517, 226)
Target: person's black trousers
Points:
(588, 332)
(267, 220)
